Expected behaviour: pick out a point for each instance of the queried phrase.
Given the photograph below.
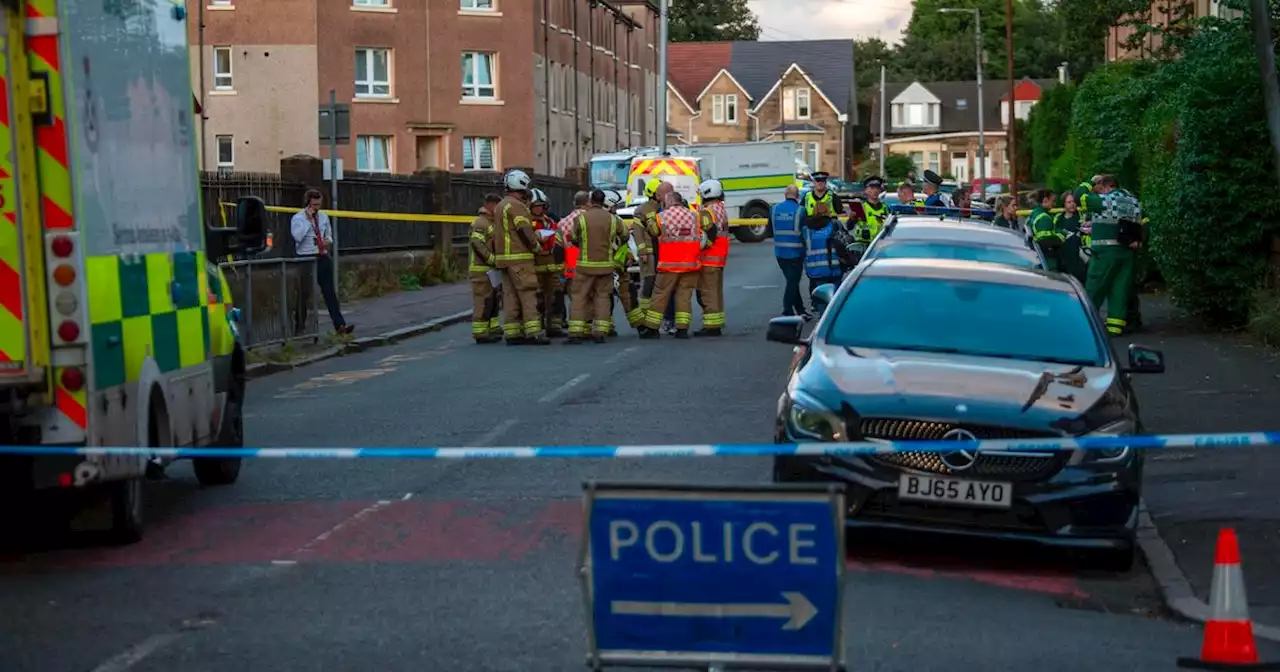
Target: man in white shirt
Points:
(313, 237)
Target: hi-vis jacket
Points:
(787, 243)
(680, 244)
(513, 236)
(479, 249)
(714, 218)
(597, 234)
(645, 228)
(875, 216)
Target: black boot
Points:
(598, 338)
(537, 339)
(708, 332)
(682, 333)
(649, 334)
(574, 340)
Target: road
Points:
(430, 565)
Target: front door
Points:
(960, 166)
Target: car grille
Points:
(1020, 467)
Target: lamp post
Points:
(982, 110)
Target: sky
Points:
(829, 19)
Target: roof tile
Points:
(691, 65)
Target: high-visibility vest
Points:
(787, 243)
(875, 216)
(680, 245)
(716, 255)
(820, 262)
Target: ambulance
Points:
(116, 329)
(683, 173)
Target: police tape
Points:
(817, 449)
(430, 219)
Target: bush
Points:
(1264, 318)
(1047, 129)
(1203, 143)
(898, 166)
(1105, 115)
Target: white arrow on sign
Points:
(798, 610)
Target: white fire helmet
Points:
(612, 199)
(710, 190)
(538, 197)
(517, 180)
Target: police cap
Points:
(820, 176)
(873, 181)
(932, 177)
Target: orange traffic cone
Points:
(1228, 634)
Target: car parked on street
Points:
(940, 350)
(931, 237)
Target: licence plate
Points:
(955, 491)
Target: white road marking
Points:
(127, 659)
(761, 286)
(359, 515)
(490, 436)
(554, 394)
(615, 358)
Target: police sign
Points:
(690, 575)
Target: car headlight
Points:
(808, 417)
(1124, 427)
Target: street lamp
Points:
(982, 111)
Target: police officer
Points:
(932, 197)
(821, 258)
(874, 212)
(788, 249)
(1116, 237)
(513, 243)
(820, 204)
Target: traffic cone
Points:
(1228, 634)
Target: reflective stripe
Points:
(1096, 242)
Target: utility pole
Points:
(883, 109)
(1011, 134)
(664, 11)
(982, 109)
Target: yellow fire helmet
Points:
(651, 187)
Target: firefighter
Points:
(484, 296)
(645, 231)
(545, 265)
(715, 222)
(679, 251)
(633, 238)
(514, 242)
(597, 233)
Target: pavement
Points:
(470, 565)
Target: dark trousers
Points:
(792, 271)
(328, 290)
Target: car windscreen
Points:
(969, 317)
(609, 173)
(919, 249)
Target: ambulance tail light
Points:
(66, 290)
(69, 331)
(62, 246)
(72, 378)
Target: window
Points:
(920, 249)
(373, 153)
(371, 3)
(802, 104)
(478, 5)
(717, 109)
(915, 114)
(795, 104)
(1024, 108)
(222, 69)
(373, 73)
(731, 108)
(887, 313)
(477, 153)
(933, 161)
(477, 75)
(815, 156)
(221, 3)
(918, 159)
(962, 104)
(226, 152)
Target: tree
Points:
(898, 166)
(711, 21)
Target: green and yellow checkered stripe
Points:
(153, 305)
(757, 182)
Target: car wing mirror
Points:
(821, 296)
(785, 329)
(1145, 360)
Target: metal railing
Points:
(279, 299)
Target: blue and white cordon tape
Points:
(1152, 442)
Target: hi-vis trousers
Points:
(628, 295)
(711, 296)
(589, 297)
(672, 287)
(484, 307)
(520, 301)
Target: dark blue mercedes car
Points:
(933, 349)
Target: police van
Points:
(116, 327)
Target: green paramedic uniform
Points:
(1073, 257)
(1046, 234)
(1111, 267)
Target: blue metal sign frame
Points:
(763, 590)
